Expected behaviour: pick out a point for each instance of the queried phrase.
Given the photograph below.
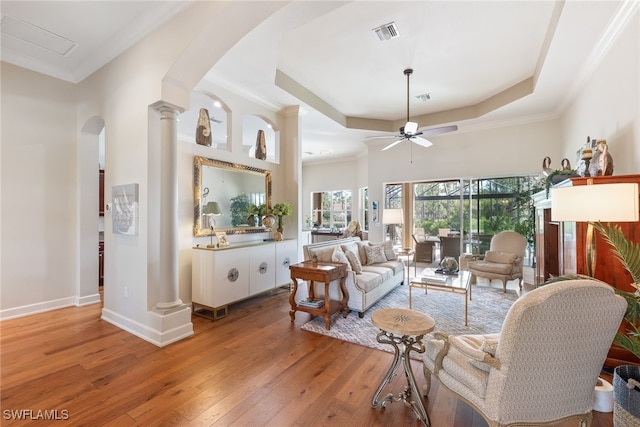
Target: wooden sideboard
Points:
(561, 250)
(223, 276)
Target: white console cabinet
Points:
(223, 276)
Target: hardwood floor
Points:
(254, 367)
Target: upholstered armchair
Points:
(543, 366)
(504, 259)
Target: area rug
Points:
(487, 311)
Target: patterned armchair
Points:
(543, 365)
(504, 259)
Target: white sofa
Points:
(366, 288)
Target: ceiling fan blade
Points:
(421, 141)
(383, 136)
(393, 144)
(438, 131)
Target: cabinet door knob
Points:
(263, 267)
(232, 275)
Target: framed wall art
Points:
(125, 209)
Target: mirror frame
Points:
(198, 163)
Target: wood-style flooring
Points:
(252, 368)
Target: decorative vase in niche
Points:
(203, 129)
(261, 145)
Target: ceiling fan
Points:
(410, 130)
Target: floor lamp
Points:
(595, 203)
(392, 217)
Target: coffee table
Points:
(456, 283)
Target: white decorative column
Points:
(168, 256)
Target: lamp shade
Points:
(595, 203)
(212, 208)
(392, 216)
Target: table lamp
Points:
(616, 202)
(212, 209)
(392, 217)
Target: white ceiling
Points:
(483, 62)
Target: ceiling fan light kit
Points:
(410, 130)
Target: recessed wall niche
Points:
(251, 124)
(219, 120)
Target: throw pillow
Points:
(489, 346)
(361, 253)
(354, 261)
(480, 365)
(500, 257)
(339, 256)
(389, 252)
(375, 254)
(353, 247)
(323, 254)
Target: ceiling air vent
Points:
(386, 31)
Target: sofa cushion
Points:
(491, 267)
(323, 254)
(369, 280)
(476, 380)
(396, 267)
(385, 272)
(339, 256)
(354, 261)
(375, 254)
(500, 257)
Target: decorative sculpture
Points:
(203, 130)
(601, 161)
(261, 146)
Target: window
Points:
(488, 206)
(331, 209)
(364, 208)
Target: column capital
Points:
(167, 110)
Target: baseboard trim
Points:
(42, 307)
(178, 326)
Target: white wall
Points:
(39, 200)
(608, 106)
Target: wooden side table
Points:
(403, 329)
(325, 272)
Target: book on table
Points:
(432, 278)
(313, 303)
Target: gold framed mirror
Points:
(223, 193)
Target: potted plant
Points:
(239, 208)
(626, 396)
(626, 378)
(558, 176)
(281, 210)
(257, 211)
